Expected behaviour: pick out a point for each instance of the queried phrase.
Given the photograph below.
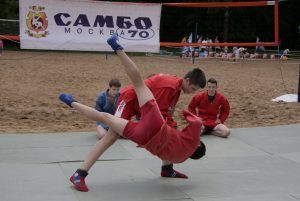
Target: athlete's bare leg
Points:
(143, 92)
(116, 124)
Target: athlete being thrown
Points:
(151, 132)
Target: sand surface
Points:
(31, 81)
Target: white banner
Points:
(86, 25)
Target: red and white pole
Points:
(1, 47)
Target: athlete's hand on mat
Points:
(66, 98)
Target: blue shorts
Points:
(103, 125)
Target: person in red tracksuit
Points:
(213, 108)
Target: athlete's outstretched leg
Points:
(78, 178)
(143, 92)
(116, 123)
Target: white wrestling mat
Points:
(253, 164)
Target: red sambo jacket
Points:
(166, 90)
(209, 112)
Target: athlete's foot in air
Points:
(113, 42)
(66, 98)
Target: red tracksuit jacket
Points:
(166, 90)
(209, 112)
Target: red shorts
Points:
(151, 122)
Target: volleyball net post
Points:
(194, 40)
(299, 86)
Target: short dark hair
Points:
(196, 77)
(212, 80)
(114, 83)
(199, 152)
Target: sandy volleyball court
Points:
(31, 81)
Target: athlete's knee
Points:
(101, 132)
(112, 134)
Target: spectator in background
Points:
(259, 49)
(204, 48)
(217, 48)
(186, 50)
(285, 54)
(107, 102)
(240, 52)
(213, 108)
(209, 40)
(199, 40)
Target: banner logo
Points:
(128, 28)
(37, 22)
